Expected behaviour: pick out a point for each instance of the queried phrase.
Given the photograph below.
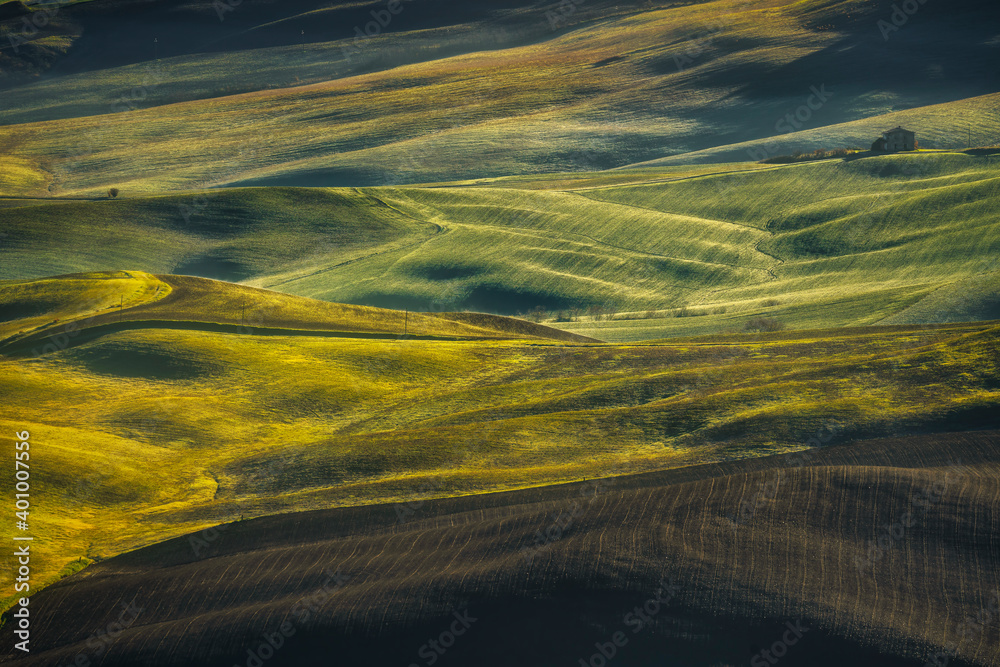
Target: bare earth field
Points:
(880, 552)
(519, 333)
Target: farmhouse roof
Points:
(898, 128)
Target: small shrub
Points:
(536, 314)
(113, 192)
(606, 311)
(684, 311)
(818, 154)
(763, 325)
(769, 303)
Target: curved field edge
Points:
(47, 315)
(742, 546)
(861, 241)
(247, 425)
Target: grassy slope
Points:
(818, 244)
(38, 305)
(349, 421)
(748, 546)
(55, 312)
(239, 424)
(607, 93)
(852, 241)
(198, 57)
(951, 124)
(230, 235)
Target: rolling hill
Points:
(878, 553)
(450, 92)
(843, 242)
(278, 415)
(257, 278)
(82, 307)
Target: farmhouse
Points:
(896, 139)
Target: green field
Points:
(259, 421)
(842, 242)
(471, 94)
(489, 254)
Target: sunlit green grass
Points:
(821, 244)
(243, 425)
(47, 315)
(599, 94)
(253, 231)
(34, 305)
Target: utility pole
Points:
(406, 320)
(243, 310)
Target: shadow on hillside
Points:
(16, 310)
(576, 628)
(213, 266)
(492, 299)
(142, 361)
